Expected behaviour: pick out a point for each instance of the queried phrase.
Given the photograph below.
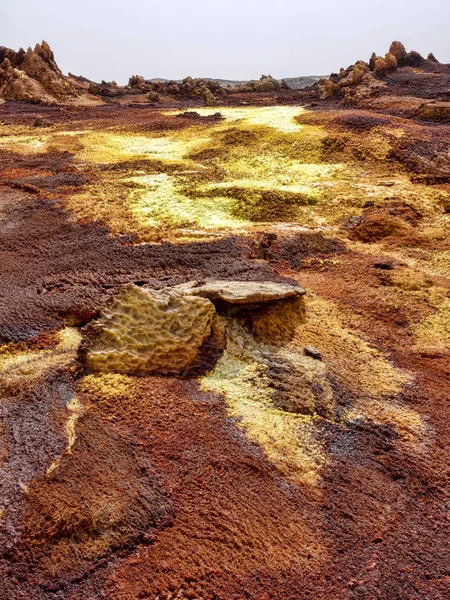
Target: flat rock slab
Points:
(246, 292)
(436, 111)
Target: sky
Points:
(229, 39)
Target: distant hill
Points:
(298, 83)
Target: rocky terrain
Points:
(399, 80)
(225, 335)
(33, 76)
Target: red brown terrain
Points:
(178, 418)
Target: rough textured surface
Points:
(398, 50)
(146, 331)
(270, 474)
(246, 292)
(33, 76)
(397, 73)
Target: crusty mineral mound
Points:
(33, 76)
(266, 83)
(247, 292)
(148, 331)
(299, 384)
(396, 73)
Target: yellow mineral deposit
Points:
(433, 332)
(289, 440)
(292, 441)
(18, 363)
(75, 409)
(256, 166)
(282, 118)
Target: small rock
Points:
(353, 222)
(153, 97)
(313, 352)
(209, 98)
(385, 266)
(40, 121)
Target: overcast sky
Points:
(231, 39)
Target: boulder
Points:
(138, 82)
(328, 88)
(380, 65)
(209, 98)
(146, 331)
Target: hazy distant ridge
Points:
(293, 83)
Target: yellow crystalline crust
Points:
(257, 167)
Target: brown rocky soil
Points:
(271, 471)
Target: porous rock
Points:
(148, 331)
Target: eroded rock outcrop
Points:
(266, 83)
(398, 50)
(33, 76)
(365, 80)
(188, 88)
(145, 331)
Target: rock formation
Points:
(148, 331)
(398, 50)
(365, 80)
(266, 83)
(33, 76)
